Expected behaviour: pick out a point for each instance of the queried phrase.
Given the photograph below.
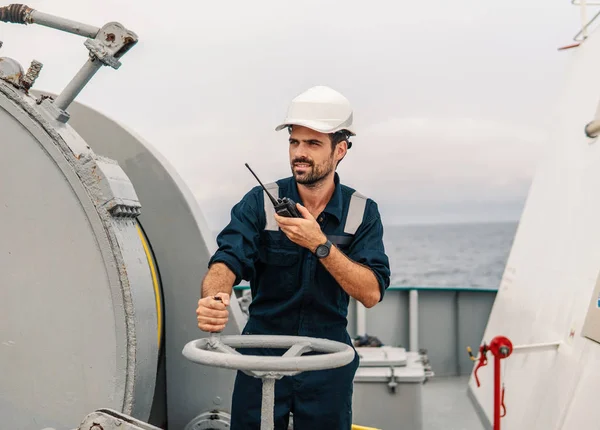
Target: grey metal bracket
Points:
(108, 419)
(220, 352)
(392, 384)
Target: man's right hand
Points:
(212, 313)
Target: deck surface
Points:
(446, 405)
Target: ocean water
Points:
(457, 255)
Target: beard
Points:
(312, 175)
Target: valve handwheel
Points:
(220, 352)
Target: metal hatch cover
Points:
(382, 356)
(79, 324)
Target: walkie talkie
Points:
(285, 206)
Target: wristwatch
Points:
(322, 250)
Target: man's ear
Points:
(342, 149)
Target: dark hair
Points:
(340, 136)
(337, 137)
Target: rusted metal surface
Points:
(32, 74)
(16, 14)
(111, 43)
(11, 71)
(109, 419)
(23, 14)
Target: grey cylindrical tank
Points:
(182, 244)
(78, 300)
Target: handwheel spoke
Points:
(298, 349)
(271, 374)
(221, 347)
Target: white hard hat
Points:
(322, 109)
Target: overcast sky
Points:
(452, 99)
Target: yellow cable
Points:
(154, 284)
(355, 427)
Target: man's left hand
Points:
(305, 232)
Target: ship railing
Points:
(440, 321)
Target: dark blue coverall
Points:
(293, 294)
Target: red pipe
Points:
(501, 347)
(497, 398)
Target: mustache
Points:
(302, 160)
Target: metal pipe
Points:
(64, 24)
(501, 347)
(361, 319)
(584, 21)
(413, 322)
(497, 393)
(80, 80)
(267, 412)
(23, 14)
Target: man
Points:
(302, 271)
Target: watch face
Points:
(322, 251)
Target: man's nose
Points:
(301, 150)
(298, 153)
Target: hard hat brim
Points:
(321, 127)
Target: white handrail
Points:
(537, 346)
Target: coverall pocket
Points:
(282, 272)
(281, 257)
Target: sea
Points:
(451, 255)
(447, 255)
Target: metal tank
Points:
(99, 281)
(103, 249)
(78, 297)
